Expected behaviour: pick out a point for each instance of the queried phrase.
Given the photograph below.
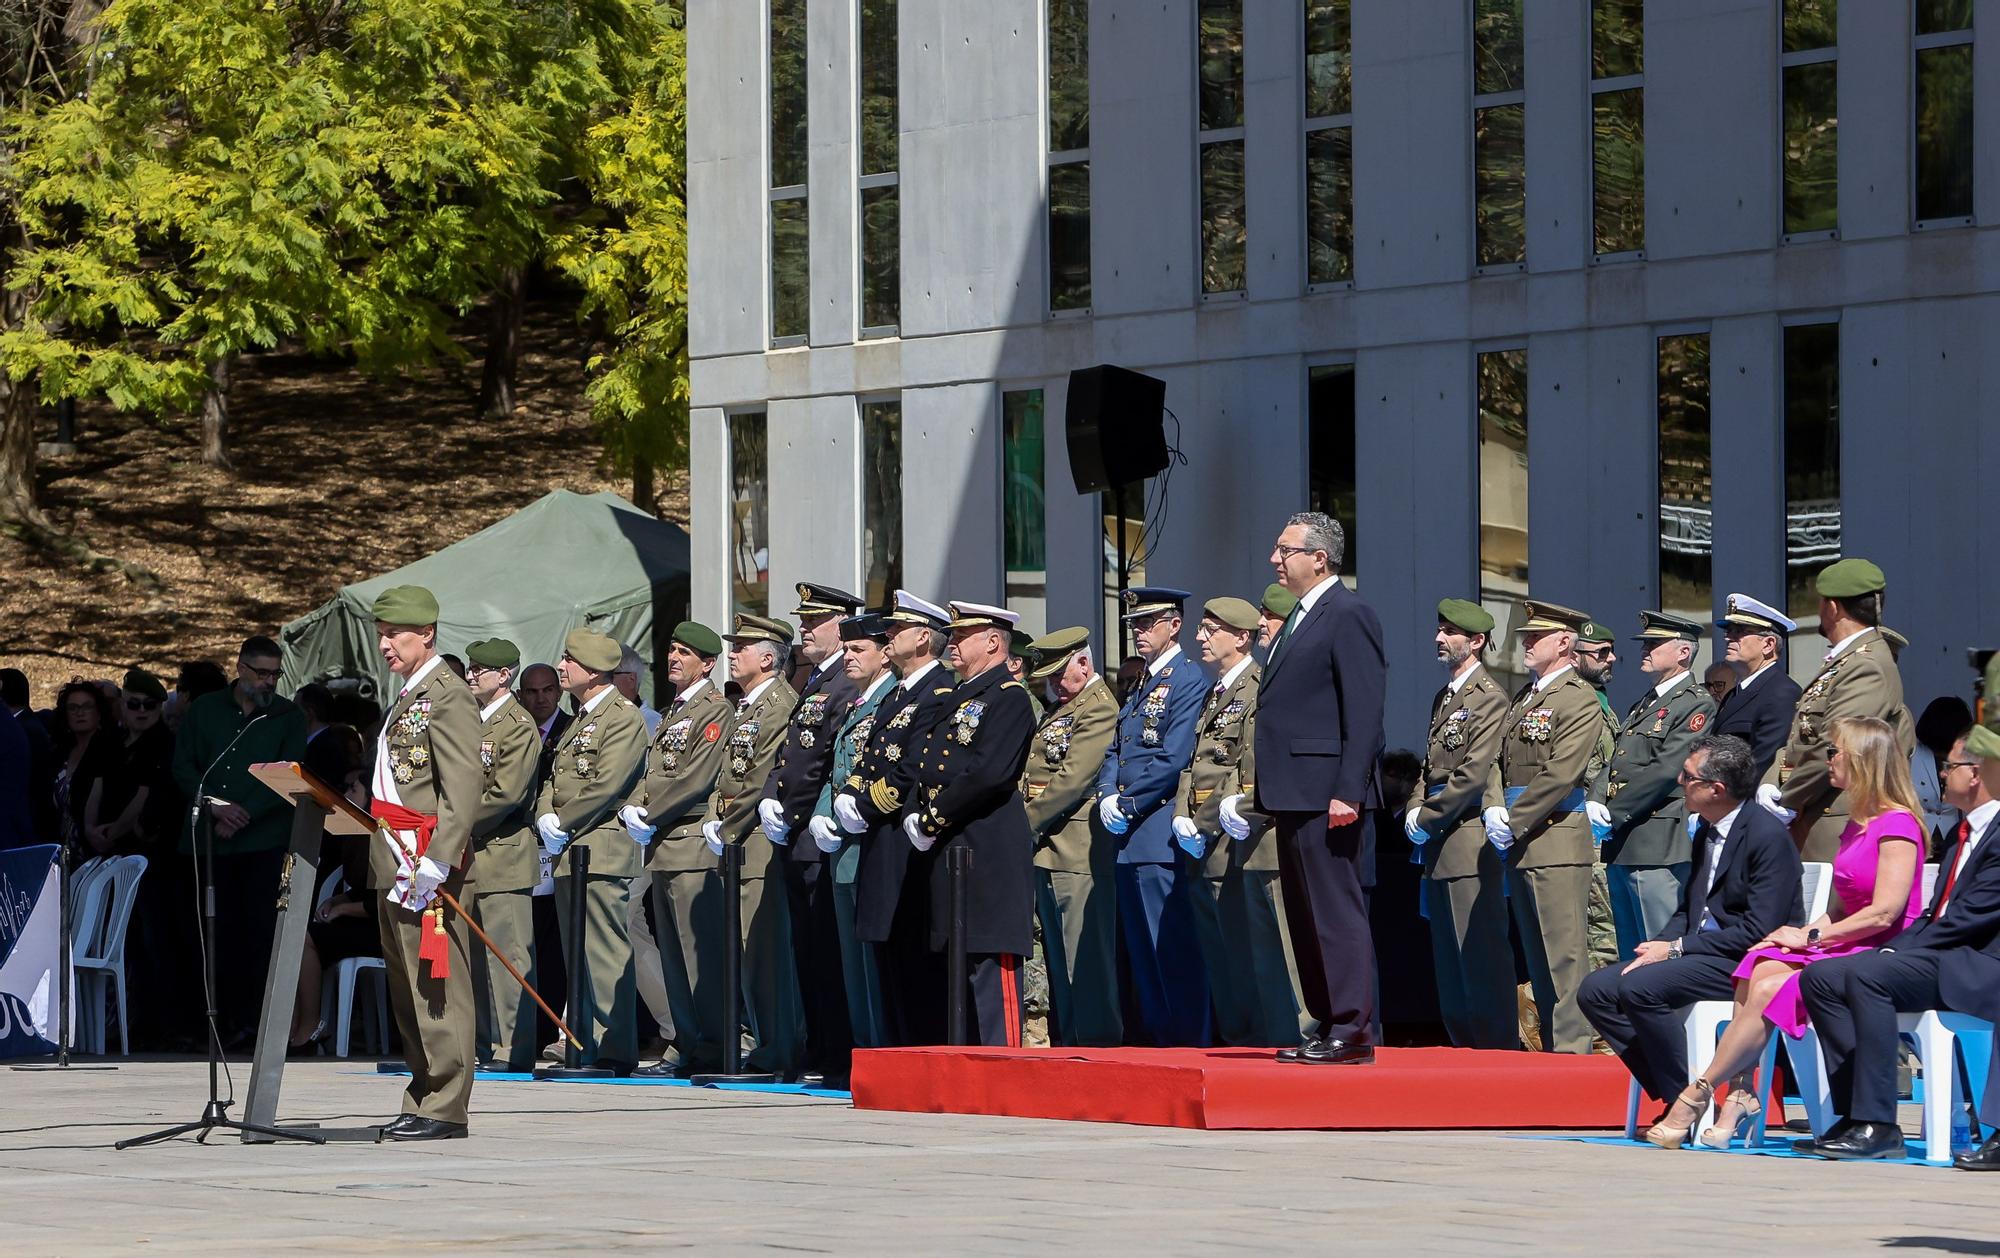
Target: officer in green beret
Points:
(1595, 655)
(1272, 612)
(1858, 678)
(597, 762)
(508, 857)
(1023, 659)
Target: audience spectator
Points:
(197, 678)
(81, 757)
(1943, 723)
(316, 703)
(41, 764)
(1719, 681)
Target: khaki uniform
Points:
(687, 754)
(507, 866)
(431, 738)
(598, 760)
(1545, 769)
(774, 1010)
(1464, 878)
(1602, 924)
(1861, 681)
(1075, 896)
(1649, 851)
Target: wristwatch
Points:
(1674, 950)
(1812, 936)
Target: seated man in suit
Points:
(1948, 959)
(1744, 885)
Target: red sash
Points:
(433, 946)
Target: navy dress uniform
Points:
(1156, 735)
(791, 795)
(1759, 710)
(859, 977)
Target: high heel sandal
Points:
(1694, 1098)
(1739, 1110)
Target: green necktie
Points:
(1284, 633)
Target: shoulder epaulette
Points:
(944, 690)
(1012, 685)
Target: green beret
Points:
(405, 605)
(494, 653)
(1849, 578)
(1233, 612)
(1461, 614)
(698, 638)
(1983, 742)
(1279, 601)
(140, 682)
(596, 651)
(1593, 632)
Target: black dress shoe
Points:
(400, 1122)
(1835, 1132)
(1862, 1142)
(812, 1079)
(1985, 1158)
(658, 1070)
(1294, 1053)
(420, 1128)
(1337, 1053)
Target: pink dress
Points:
(1854, 869)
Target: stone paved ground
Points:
(555, 1167)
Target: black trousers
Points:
(1640, 1014)
(914, 977)
(1327, 918)
(995, 980)
(816, 955)
(246, 919)
(1854, 1002)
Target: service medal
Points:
(805, 738)
(1537, 725)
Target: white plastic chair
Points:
(1935, 1034)
(336, 991)
(1706, 1018)
(1930, 884)
(100, 966)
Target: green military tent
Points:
(564, 561)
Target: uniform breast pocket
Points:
(1315, 746)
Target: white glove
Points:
(424, 882)
(1417, 834)
(824, 833)
(848, 814)
(553, 838)
(1499, 831)
(1767, 797)
(918, 839)
(1600, 821)
(1693, 824)
(634, 819)
(1114, 820)
(771, 819)
(711, 834)
(1188, 836)
(1233, 823)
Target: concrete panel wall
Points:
(1556, 61)
(728, 214)
(832, 166)
(1712, 127)
(951, 493)
(708, 509)
(1746, 430)
(815, 495)
(1143, 242)
(1412, 218)
(1075, 525)
(1875, 104)
(1273, 153)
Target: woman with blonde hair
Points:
(1877, 892)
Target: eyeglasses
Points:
(1948, 765)
(141, 705)
(1685, 780)
(267, 674)
(80, 709)
(1289, 551)
(1594, 654)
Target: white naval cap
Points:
(1748, 613)
(908, 609)
(980, 616)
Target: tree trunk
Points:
(20, 405)
(503, 347)
(642, 485)
(215, 416)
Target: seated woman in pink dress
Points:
(1877, 892)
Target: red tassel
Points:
(435, 945)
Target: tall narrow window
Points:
(790, 268)
(1503, 504)
(1810, 67)
(1944, 112)
(1812, 469)
(881, 237)
(1069, 154)
(1618, 125)
(1024, 516)
(1329, 142)
(750, 513)
(1330, 452)
(1499, 148)
(1224, 240)
(1687, 535)
(882, 497)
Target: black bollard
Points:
(730, 866)
(958, 867)
(580, 1014)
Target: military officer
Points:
(759, 650)
(1464, 876)
(1156, 733)
(664, 817)
(1648, 851)
(1022, 660)
(892, 886)
(1759, 710)
(864, 641)
(1595, 655)
(1859, 678)
(791, 794)
(1541, 826)
(968, 796)
(507, 864)
(598, 761)
(425, 794)
(1075, 862)
(1272, 613)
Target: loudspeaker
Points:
(1114, 427)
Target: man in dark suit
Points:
(1948, 959)
(1759, 710)
(39, 767)
(1744, 884)
(1318, 736)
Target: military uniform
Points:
(426, 793)
(1464, 877)
(1600, 924)
(1552, 728)
(506, 867)
(860, 979)
(1075, 895)
(1759, 709)
(598, 761)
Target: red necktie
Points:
(1951, 875)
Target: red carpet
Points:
(1406, 1088)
